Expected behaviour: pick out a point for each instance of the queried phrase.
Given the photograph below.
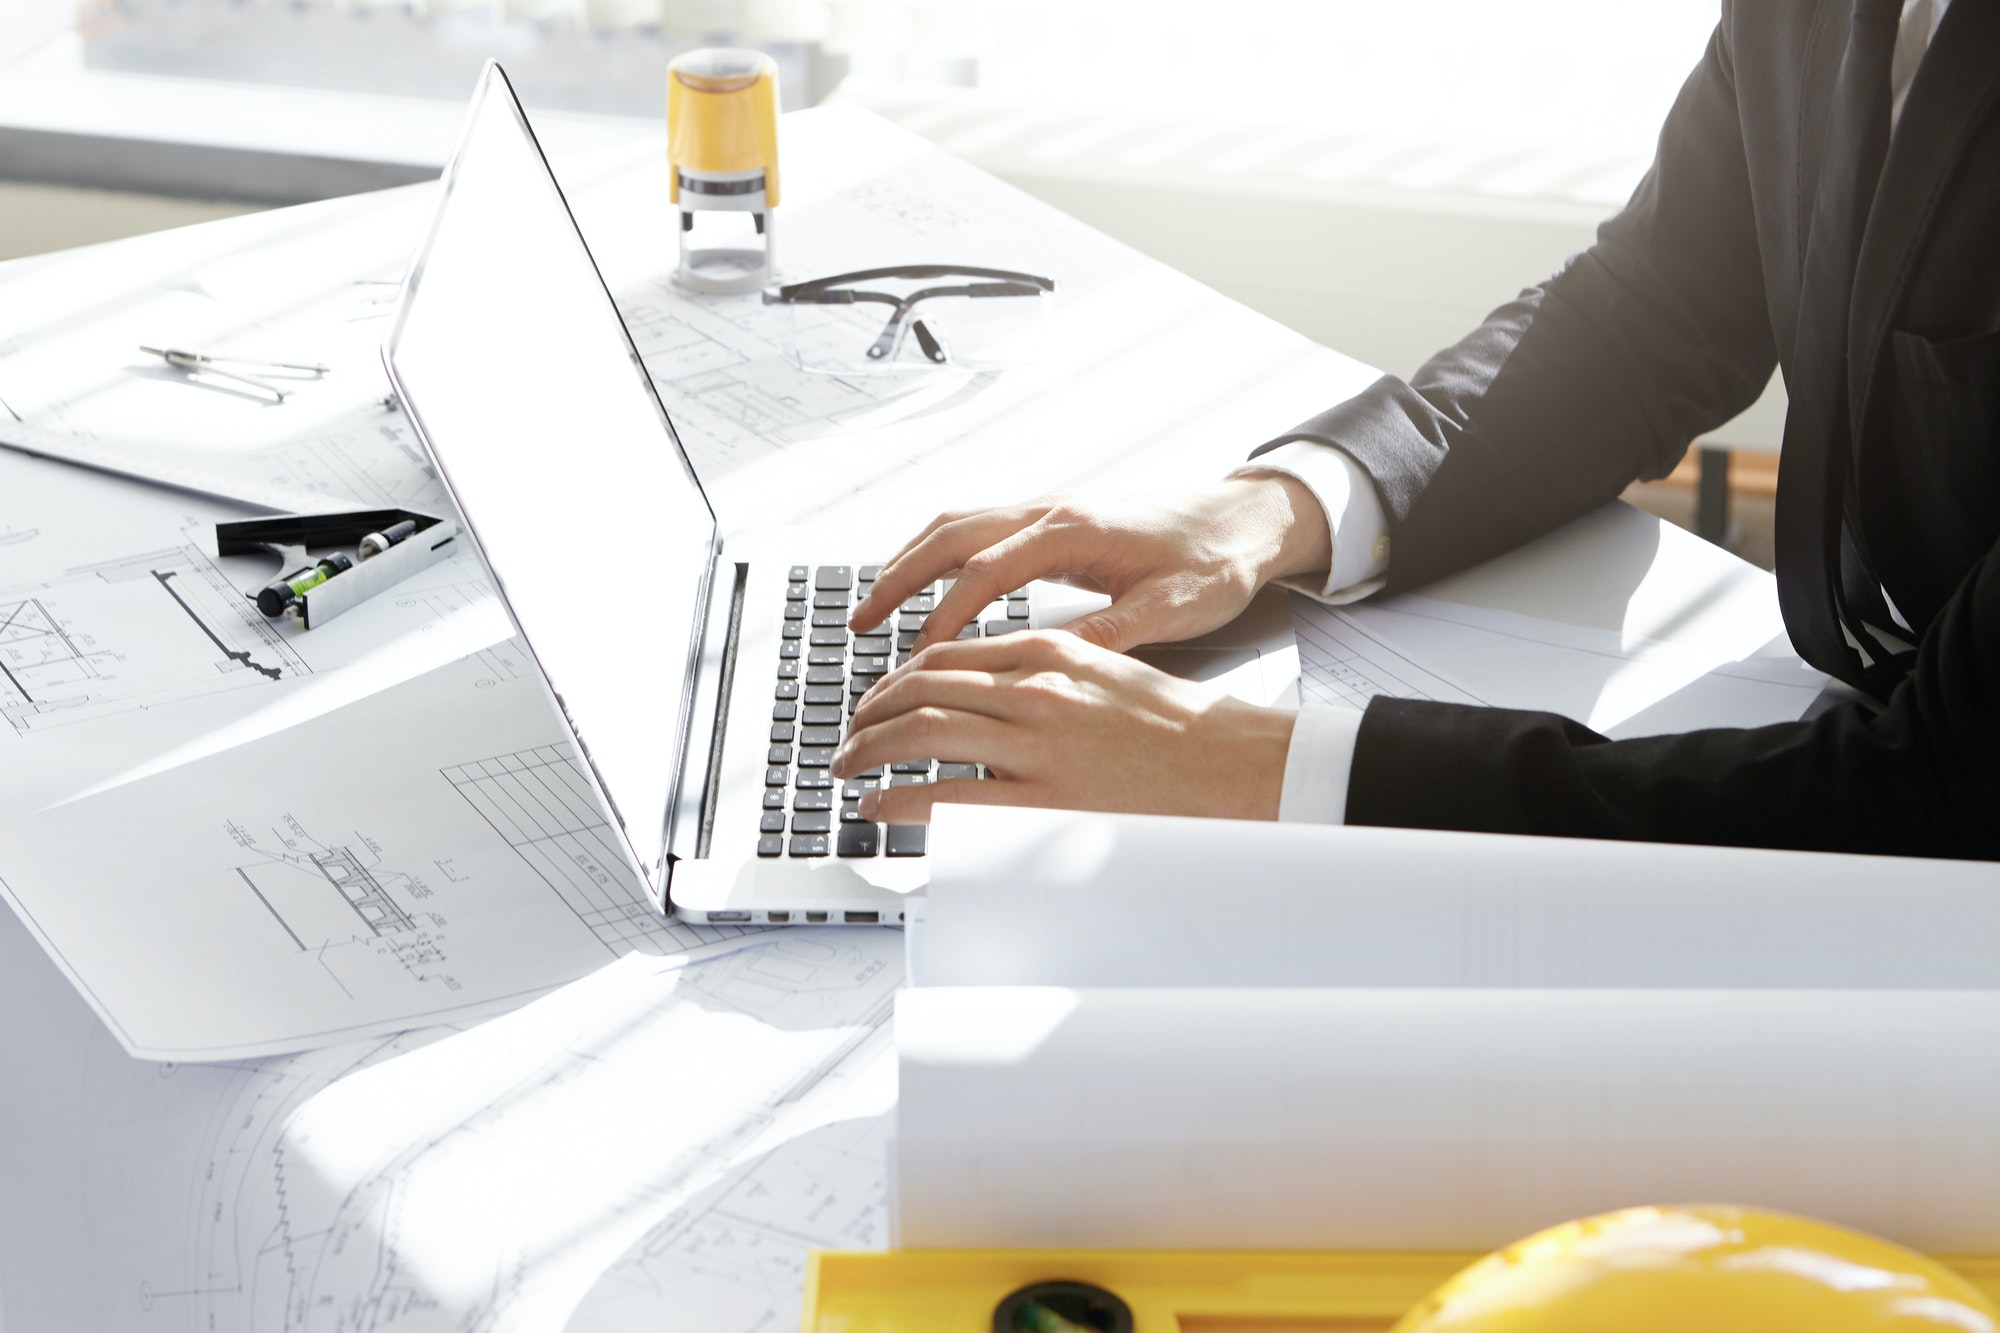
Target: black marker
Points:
(377, 542)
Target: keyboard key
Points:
(824, 636)
(774, 798)
(1017, 610)
(777, 775)
(788, 671)
(795, 610)
(778, 754)
(921, 605)
(871, 645)
(784, 712)
(812, 821)
(861, 684)
(819, 736)
(853, 704)
(795, 592)
(821, 716)
(905, 839)
(829, 618)
(910, 766)
(813, 800)
(860, 839)
(773, 822)
(948, 772)
(909, 780)
(794, 629)
(828, 577)
(817, 779)
(850, 812)
(822, 694)
(995, 628)
(851, 789)
(869, 573)
(904, 642)
(816, 756)
(972, 631)
(789, 651)
(781, 733)
(870, 666)
(809, 844)
(787, 689)
(1018, 595)
(824, 675)
(798, 574)
(827, 601)
(908, 623)
(902, 657)
(770, 845)
(826, 656)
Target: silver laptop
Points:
(705, 683)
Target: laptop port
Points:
(862, 918)
(725, 918)
(777, 918)
(815, 917)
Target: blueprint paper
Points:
(1041, 1117)
(1627, 624)
(440, 1179)
(1147, 900)
(303, 888)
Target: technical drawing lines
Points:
(538, 801)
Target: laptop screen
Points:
(535, 406)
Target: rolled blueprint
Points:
(1401, 1119)
(1142, 900)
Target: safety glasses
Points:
(914, 317)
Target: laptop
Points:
(705, 682)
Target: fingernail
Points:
(838, 764)
(870, 802)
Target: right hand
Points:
(1172, 570)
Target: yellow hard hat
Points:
(1703, 1268)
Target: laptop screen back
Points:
(535, 407)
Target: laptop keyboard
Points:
(823, 671)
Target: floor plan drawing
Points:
(340, 1191)
(132, 633)
(539, 803)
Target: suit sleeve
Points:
(1602, 375)
(1920, 778)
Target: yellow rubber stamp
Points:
(722, 151)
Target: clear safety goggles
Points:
(915, 317)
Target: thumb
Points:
(1119, 626)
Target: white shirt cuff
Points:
(1317, 765)
(1359, 530)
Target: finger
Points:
(1025, 650)
(968, 691)
(1001, 567)
(1141, 616)
(946, 545)
(927, 733)
(912, 805)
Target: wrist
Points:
(1304, 532)
(1259, 741)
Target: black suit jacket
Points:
(1665, 328)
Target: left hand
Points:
(1060, 722)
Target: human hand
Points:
(1172, 570)
(1061, 722)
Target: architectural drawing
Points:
(130, 633)
(339, 1191)
(539, 802)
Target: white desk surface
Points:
(109, 1214)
